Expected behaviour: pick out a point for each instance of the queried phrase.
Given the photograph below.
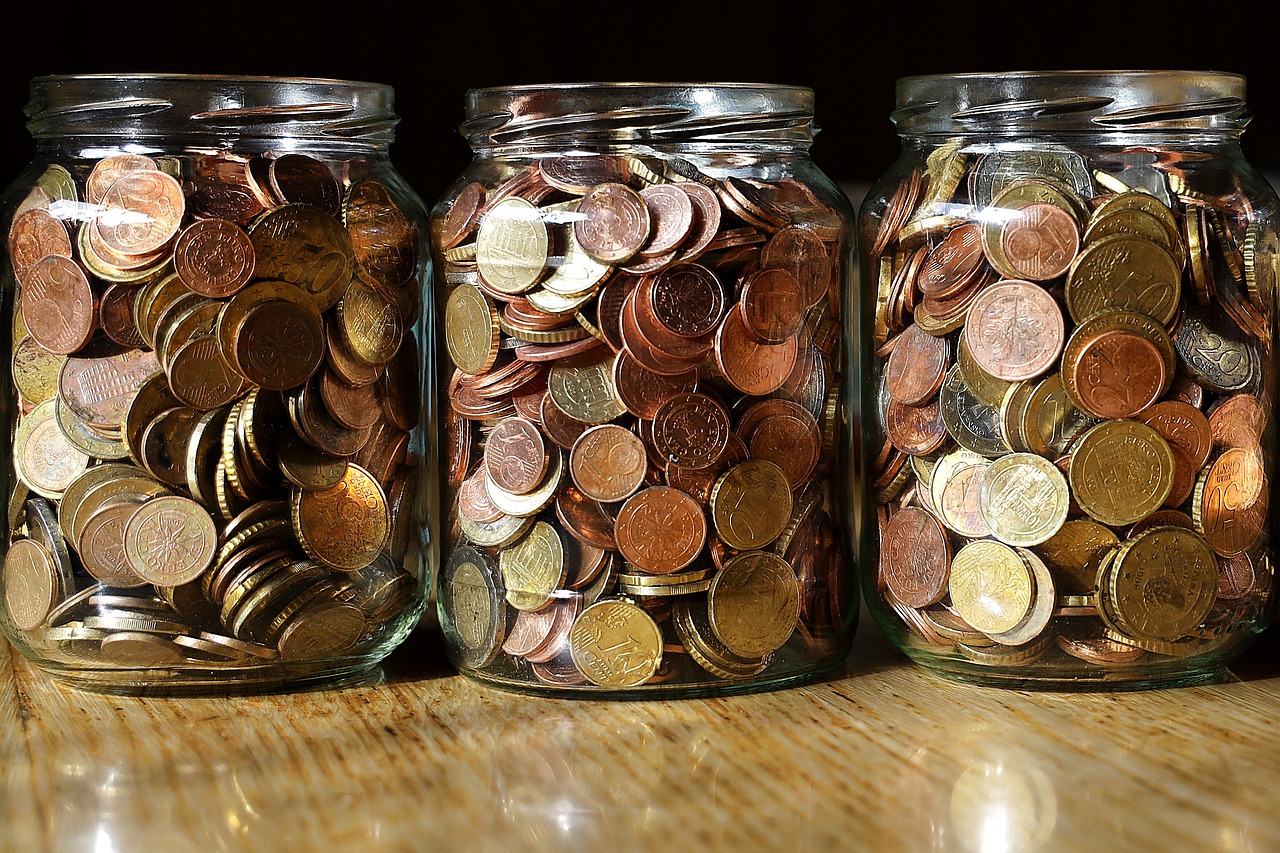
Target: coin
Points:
(607, 463)
(1040, 241)
(753, 603)
(916, 557)
(371, 325)
(1230, 500)
(616, 644)
(58, 305)
(279, 344)
(614, 222)
(991, 586)
(32, 585)
(34, 370)
(1163, 583)
(533, 568)
(214, 257)
(345, 526)
(302, 245)
(34, 236)
(916, 367)
(660, 529)
(142, 212)
(512, 245)
(582, 388)
(1023, 499)
(1074, 554)
(1014, 330)
(170, 540)
(1121, 472)
(515, 456)
(751, 504)
(42, 456)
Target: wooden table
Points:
(878, 757)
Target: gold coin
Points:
(495, 534)
(1127, 273)
(1144, 202)
(991, 586)
(370, 324)
(533, 568)
(582, 388)
(1135, 223)
(1261, 251)
(471, 330)
(689, 617)
(751, 504)
(1050, 421)
(1013, 409)
(1023, 498)
(1121, 472)
(553, 303)
(35, 370)
(753, 603)
(578, 273)
(1074, 554)
(615, 643)
(306, 247)
(45, 461)
(1163, 583)
(512, 246)
(344, 527)
(1044, 600)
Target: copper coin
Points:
(613, 222)
(100, 390)
(1040, 241)
(201, 377)
(1237, 421)
(609, 302)
(585, 519)
(1184, 477)
(58, 305)
(1183, 426)
(670, 218)
(751, 203)
(314, 423)
(115, 313)
(583, 562)
(109, 170)
(1099, 650)
(706, 219)
(347, 366)
(661, 530)
(304, 180)
(1237, 577)
(1231, 498)
(353, 406)
(279, 343)
(221, 189)
(143, 212)
(1163, 517)
(473, 499)
(917, 366)
(305, 466)
(34, 236)
(916, 430)
(652, 342)
(954, 262)
(801, 252)
(1118, 374)
(577, 174)
(773, 305)
(752, 368)
(383, 238)
(608, 463)
(645, 352)
(916, 557)
(532, 628)
(214, 257)
(691, 430)
(515, 456)
(686, 300)
(463, 215)
(1015, 330)
(642, 391)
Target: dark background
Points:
(433, 52)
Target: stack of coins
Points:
(641, 422)
(216, 377)
(1076, 386)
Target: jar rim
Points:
(212, 78)
(1070, 100)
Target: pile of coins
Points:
(215, 381)
(641, 420)
(1074, 356)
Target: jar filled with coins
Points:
(218, 412)
(1069, 285)
(642, 388)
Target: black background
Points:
(433, 52)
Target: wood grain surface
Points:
(879, 756)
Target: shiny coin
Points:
(1163, 583)
(1121, 472)
(753, 603)
(533, 568)
(344, 527)
(991, 586)
(751, 504)
(31, 583)
(616, 644)
(1023, 499)
(170, 540)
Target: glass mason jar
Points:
(1070, 285)
(642, 291)
(216, 395)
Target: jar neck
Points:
(203, 112)
(607, 116)
(1110, 103)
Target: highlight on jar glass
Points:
(642, 292)
(1070, 284)
(218, 409)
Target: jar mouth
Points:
(210, 105)
(639, 111)
(1070, 100)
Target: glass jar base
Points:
(196, 682)
(1075, 680)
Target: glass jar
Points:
(220, 420)
(1069, 306)
(642, 288)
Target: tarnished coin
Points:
(915, 557)
(753, 603)
(1124, 272)
(383, 237)
(751, 504)
(344, 527)
(214, 257)
(321, 630)
(661, 529)
(170, 540)
(1121, 472)
(34, 370)
(308, 248)
(1074, 555)
(607, 463)
(615, 643)
(141, 212)
(749, 366)
(690, 430)
(1163, 583)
